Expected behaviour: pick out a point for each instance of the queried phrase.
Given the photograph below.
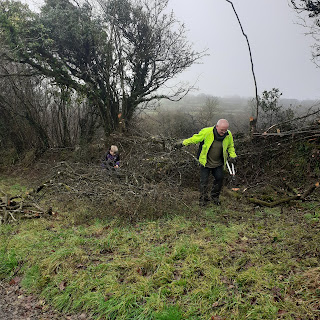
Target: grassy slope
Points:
(231, 262)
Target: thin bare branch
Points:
(251, 60)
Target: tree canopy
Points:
(312, 8)
(116, 53)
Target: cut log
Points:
(285, 200)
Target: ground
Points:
(16, 304)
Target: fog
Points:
(281, 51)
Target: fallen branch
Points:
(285, 200)
(24, 207)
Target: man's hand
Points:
(178, 145)
(232, 160)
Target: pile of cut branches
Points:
(130, 193)
(13, 208)
(150, 181)
(268, 158)
(154, 177)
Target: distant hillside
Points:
(234, 103)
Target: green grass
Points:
(236, 262)
(8, 262)
(12, 186)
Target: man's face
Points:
(222, 128)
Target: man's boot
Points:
(204, 199)
(215, 193)
(216, 201)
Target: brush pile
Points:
(151, 180)
(154, 178)
(13, 208)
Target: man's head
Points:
(222, 126)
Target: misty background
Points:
(280, 48)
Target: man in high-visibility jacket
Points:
(217, 144)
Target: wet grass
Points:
(230, 262)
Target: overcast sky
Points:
(281, 51)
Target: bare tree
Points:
(20, 110)
(208, 112)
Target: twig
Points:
(13, 218)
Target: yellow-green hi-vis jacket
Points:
(206, 135)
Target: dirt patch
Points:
(15, 304)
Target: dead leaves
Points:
(15, 281)
(277, 296)
(16, 304)
(63, 285)
(217, 318)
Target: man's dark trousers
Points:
(217, 184)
